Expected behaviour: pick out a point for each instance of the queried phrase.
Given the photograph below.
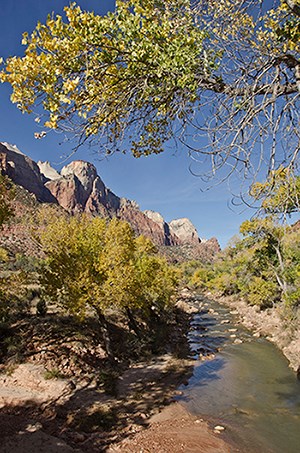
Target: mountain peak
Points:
(78, 188)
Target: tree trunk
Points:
(283, 283)
(154, 320)
(133, 324)
(105, 334)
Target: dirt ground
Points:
(173, 430)
(132, 412)
(51, 416)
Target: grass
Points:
(54, 373)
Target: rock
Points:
(238, 341)
(144, 225)
(24, 172)
(170, 237)
(178, 392)
(66, 192)
(155, 216)
(85, 172)
(71, 385)
(46, 170)
(256, 334)
(78, 437)
(185, 230)
(33, 428)
(185, 307)
(219, 428)
(78, 188)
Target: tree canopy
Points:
(263, 265)
(92, 264)
(226, 71)
(280, 193)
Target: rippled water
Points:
(247, 387)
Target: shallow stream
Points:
(247, 386)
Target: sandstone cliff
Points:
(185, 230)
(24, 172)
(78, 188)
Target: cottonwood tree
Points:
(280, 193)
(92, 265)
(267, 237)
(221, 77)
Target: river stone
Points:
(219, 428)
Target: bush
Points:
(3, 255)
(201, 278)
(54, 373)
(24, 263)
(292, 299)
(262, 293)
(225, 283)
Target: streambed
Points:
(246, 385)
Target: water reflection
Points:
(247, 386)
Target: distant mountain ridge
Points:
(79, 188)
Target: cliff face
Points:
(24, 171)
(78, 188)
(185, 230)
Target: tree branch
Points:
(294, 7)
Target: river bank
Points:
(76, 415)
(142, 415)
(246, 386)
(268, 323)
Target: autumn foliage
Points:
(93, 264)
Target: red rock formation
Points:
(143, 225)
(24, 172)
(78, 188)
(185, 230)
(67, 192)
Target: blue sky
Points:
(162, 183)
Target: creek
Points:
(245, 386)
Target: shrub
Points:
(201, 277)
(54, 373)
(292, 299)
(225, 283)
(3, 255)
(262, 293)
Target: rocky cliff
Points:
(24, 172)
(185, 230)
(78, 188)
